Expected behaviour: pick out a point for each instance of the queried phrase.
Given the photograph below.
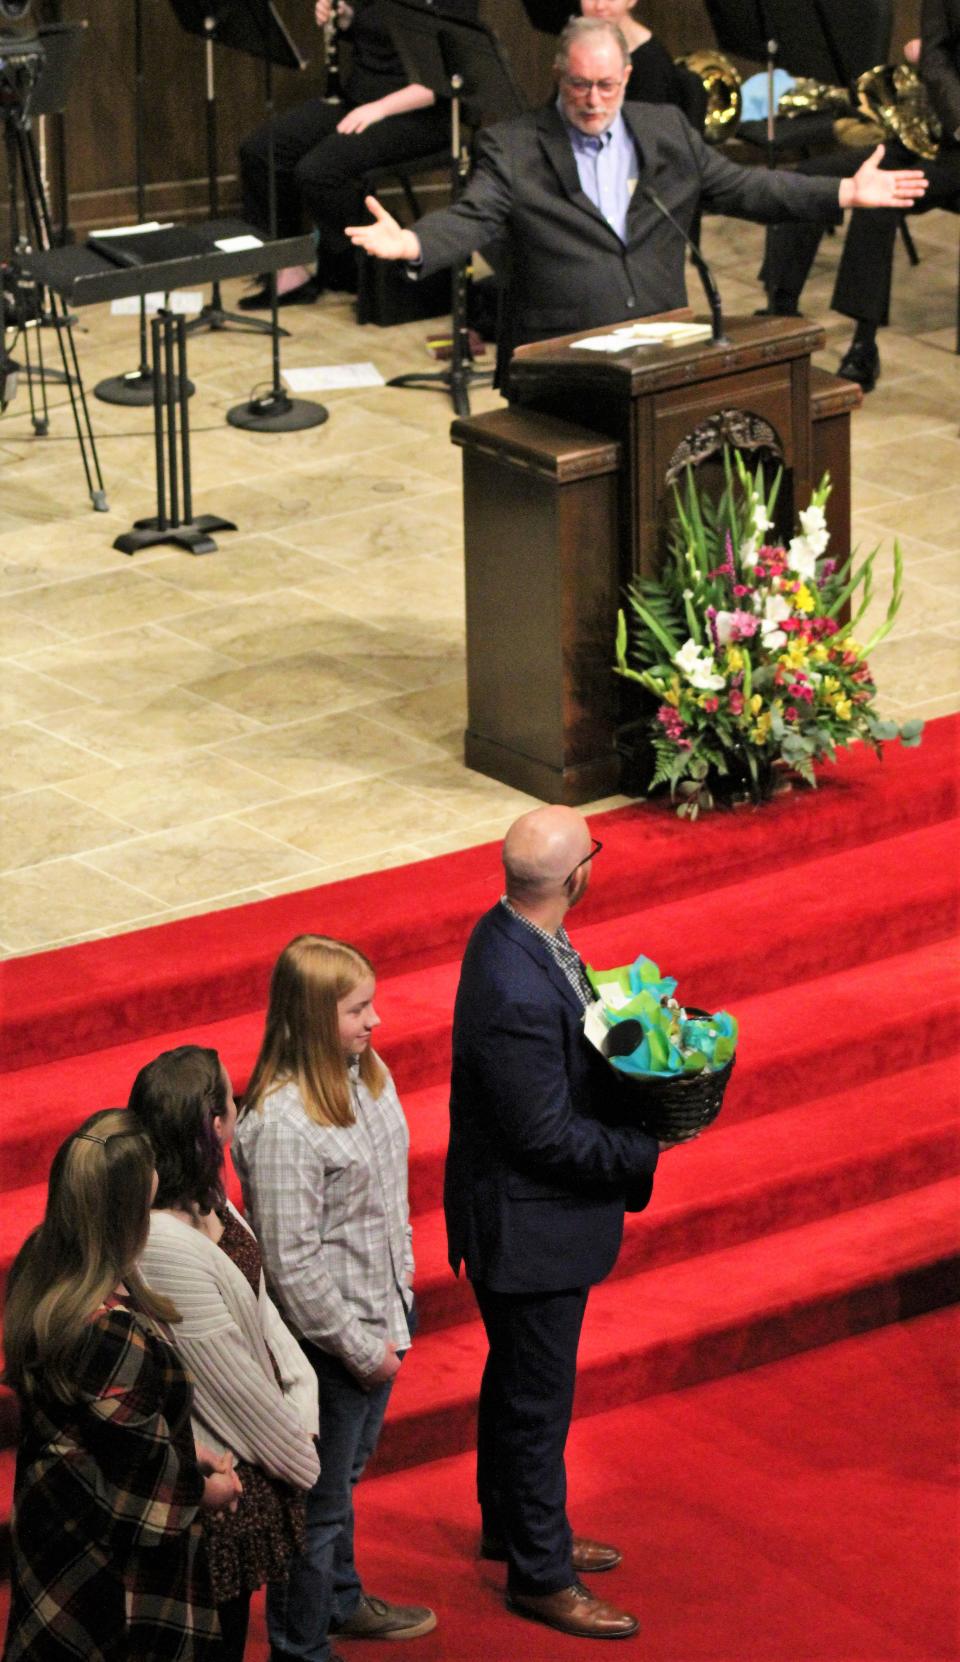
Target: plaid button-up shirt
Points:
(328, 1204)
(561, 950)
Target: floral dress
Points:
(255, 1543)
(108, 1558)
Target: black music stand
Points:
(463, 63)
(828, 42)
(257, 30)
(224, 23)
(86, 277)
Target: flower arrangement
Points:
(743, 646)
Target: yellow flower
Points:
(795, 655)
(830, 686)
(761, 730)
(819, 653)
(756, 704)
(843, 708)
(672, 694)
(734, 659)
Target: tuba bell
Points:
(721, 83)
(894, 96)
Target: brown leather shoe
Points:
(587, 1558)
(574, 1610)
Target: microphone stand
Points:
(276, 411)
(718, 333)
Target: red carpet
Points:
(822, 1205)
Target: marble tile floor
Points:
(182, 734)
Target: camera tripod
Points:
(33, 308)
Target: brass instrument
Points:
(809, 97)
(721, 83)
(894, 96)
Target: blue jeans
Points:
(323, 1587)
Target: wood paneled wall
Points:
(99, 125)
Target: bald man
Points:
(540, 1170)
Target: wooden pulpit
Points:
(567, 496)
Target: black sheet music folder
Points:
(171, 242)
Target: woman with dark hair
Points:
(254, 1395)
(108, 1559)
(654, 77)
(322, 1154)
(323, 150)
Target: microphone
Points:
(710, 289)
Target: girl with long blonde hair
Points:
(106, 1547)
(321, 1147)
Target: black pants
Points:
(862, 288)
(526, 1399)
(234, 1617)
(320, 171)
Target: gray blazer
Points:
(568, 269)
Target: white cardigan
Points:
(223, 1338)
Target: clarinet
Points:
(332, 90)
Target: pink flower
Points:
(673, 724)
(791, 712)
(735, 701)
(711, 705)
(740, 589)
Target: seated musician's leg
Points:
(864, 279)
(295, 132)
(791, 248)
(330, 180)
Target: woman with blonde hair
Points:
(108, 1559)
(321, 1148)
(255, 1395)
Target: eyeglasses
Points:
(581, 88)
(597, 845)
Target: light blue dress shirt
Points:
(607, 166)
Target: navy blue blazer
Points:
(541, 1164)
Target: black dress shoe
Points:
(860, 363)
(258, 300)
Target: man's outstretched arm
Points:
(873, 186)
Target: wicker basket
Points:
(676, 1109)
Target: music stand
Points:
(463, 63)
(224, 24)
(822, 40)
(256, 28)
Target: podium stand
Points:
(559, 518)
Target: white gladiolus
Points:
(774, 611)
(813, 523)
(802, 558)
(698, 667)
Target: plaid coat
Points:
(108, 1560)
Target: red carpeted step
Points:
(202, 969)
(897, 892)
(733, 1184)
(708, 1316)
(796, 1042)
(866, 903)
